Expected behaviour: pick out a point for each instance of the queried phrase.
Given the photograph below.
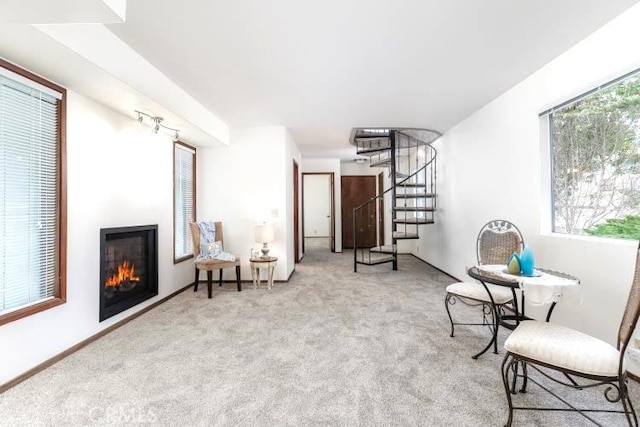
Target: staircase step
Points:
(415, 195)
(372, 136)
(372, 151)
(383, 137)
(381, 163)
(410, 185)
(385, 163)
(413, 221)
(372, 144)
(414, 208)
(387, 249)
(375, 260)
(405, 136)
(401, 235)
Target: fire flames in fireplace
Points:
(124, 277)
(128, 267)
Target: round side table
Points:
(269, 263)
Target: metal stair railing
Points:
(412, 179)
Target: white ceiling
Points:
(62, 11)
(321, 68)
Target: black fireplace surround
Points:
(128, 267)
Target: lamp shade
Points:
(264, 233)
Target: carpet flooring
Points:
(330, 347)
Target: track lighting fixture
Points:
(156, 123)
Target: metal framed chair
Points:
(549, 348)
(496, 241)
(211, 264)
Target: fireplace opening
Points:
(128, 268)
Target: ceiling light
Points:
(360, 160)
(157, 124)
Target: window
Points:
(32, 191)
(184, 200)
(595, 157)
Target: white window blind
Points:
(184, 193)
(29, 189)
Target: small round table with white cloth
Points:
(544, 287)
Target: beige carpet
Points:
(331, 347)
(317, 244)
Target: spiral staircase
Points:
(410, 197)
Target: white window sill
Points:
(593, 239)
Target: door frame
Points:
(332, 209)
(296, 213)
(381, 209)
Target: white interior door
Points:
(317, 205)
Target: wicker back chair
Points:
(209, 265)
(497, 240)
(549, 348)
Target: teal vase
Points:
(527, 261)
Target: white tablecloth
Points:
(543, 289)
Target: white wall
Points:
(329, 166)
(352, 168)
(248, 183)
(119, 174)
(490, 167)
(317, 205)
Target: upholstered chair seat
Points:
(477, 292)
(572, 359)
(564, 348)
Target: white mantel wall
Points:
(119, 174)
(490, 167)
(248, 183)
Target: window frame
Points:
(546, 119)
(194, 200)
(60, 289)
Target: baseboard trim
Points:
(215, 281)
(250, 282)
(288, 278)
(58, 357)
(434, 267)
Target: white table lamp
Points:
(264, 235)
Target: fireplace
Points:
(128, 267)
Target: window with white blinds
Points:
(184, 200)
(30, 191)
